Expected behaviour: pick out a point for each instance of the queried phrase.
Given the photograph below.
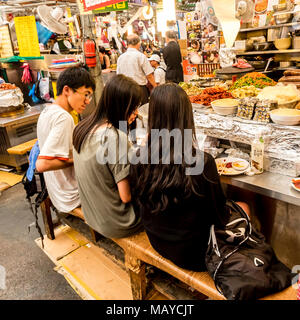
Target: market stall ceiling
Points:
(19, 5)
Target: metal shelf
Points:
(239, 53)
(290, 24)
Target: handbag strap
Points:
(213, 238)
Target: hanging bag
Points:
(35, 187)
(242, 264)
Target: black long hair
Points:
(120, 98)
(158, 185)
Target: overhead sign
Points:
(113, 7)
(96, 4)
(80, 4)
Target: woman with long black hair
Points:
(176, 208)
(100, 160)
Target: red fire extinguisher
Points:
(90, 53)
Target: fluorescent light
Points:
(169, 10)
(129, 30)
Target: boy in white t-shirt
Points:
(159, 71)
(75, 87)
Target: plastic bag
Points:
(44, 89)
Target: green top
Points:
(102, 206)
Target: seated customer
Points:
(100, 160)
(177, 210)
(55, 126)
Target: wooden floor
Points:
(89, 269)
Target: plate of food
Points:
(231, 166)
(261, 6)
(296, 184)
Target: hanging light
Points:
(153, 30)
(129, 30)
(161, 22)
(147, 12)
(169, 10)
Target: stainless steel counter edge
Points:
(268, 184)
(32, 112)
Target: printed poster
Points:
(27, 36)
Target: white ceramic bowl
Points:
(229, 106)
(287, 120)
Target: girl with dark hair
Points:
(104, 60)
(176, 209)
(100, 160)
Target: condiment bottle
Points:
(257, 154)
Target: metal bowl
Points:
(283, 18)
(261, 46)
(258, 64)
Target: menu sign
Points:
(6, 48)
(27, 36)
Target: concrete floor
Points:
(29, 272)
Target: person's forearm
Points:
(44, 165)
(150, 78)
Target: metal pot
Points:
(261, 46)
(281, 18)
(258, 64)
(285, 64)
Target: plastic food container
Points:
(296, 42)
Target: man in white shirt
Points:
(159, 72)
(55, 126)
(135, 65)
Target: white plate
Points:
(294, 186)
(231, 171)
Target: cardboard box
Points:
(184, 52)
(182, 44)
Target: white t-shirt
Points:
(54, 132)
(134, 65)
(159, 75)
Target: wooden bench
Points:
(22, 148)
(139, 253)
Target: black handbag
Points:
(242, 264)
(36, 193)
